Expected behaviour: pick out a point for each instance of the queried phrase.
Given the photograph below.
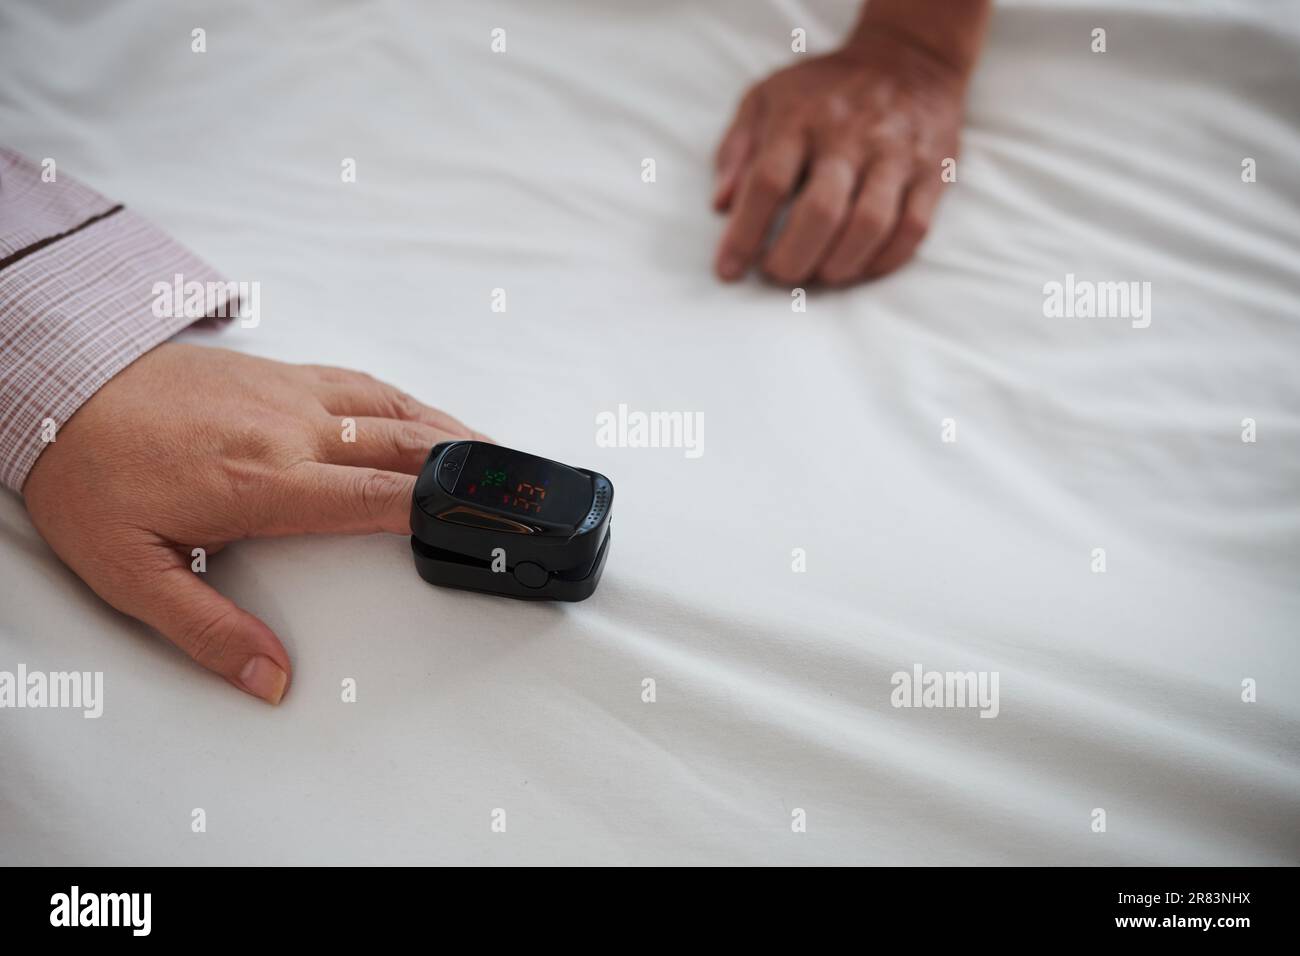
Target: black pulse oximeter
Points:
(487, 518)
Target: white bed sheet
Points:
(521, 171)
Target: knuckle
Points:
(207, 639)
(375, 492)
(337, 375)
(732, 141)
(248, 441)
(834, 273)
(831, 112)
(768, 182)
(822, 211)
(242, 478)
(408, 405)
(400, 404)
(868, 224)
(782, 272)
(913, 227)
(409, 439)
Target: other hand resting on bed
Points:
(855, 142)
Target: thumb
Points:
(213, 630)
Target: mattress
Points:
(936, 473)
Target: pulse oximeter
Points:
(487, 518)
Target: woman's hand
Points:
(855, 142)
(193, 447)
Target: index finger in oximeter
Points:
(488, 518)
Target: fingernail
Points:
(730, 267)
(262, 677)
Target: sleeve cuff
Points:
(81, 309)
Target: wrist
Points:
(947, 34)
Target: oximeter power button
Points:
(531, 575)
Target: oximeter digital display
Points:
(488, 518)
